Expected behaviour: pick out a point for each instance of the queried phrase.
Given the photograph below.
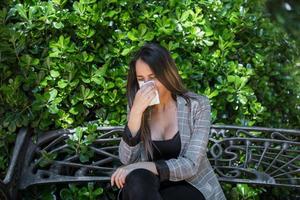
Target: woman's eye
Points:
(152, 78)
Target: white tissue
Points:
(155, 100)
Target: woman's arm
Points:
(186, 166)
(145, 165)
(132, 128)
(129, 147)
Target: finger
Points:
(150, 95)
(123, 179)
(120, 179)
(148, 91)
(117, 178)
(147, 87)
(112, 179)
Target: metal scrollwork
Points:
(270, 156)
(254, 155)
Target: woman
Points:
(163, 147)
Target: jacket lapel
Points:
(182, 116)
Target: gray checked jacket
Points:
(192, 163)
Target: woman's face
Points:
(144, 73)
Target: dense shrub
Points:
(64, 63)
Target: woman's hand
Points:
(143, 97)
(120, 174)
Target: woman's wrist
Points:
(134, 122)
(136, 113)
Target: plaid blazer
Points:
(192, 163)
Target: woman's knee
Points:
(140, 183)
(141, 176)
(141, 180)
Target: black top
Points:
(166, 149)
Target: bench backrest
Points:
(253, 155)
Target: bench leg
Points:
(3, 192)
(10, 185)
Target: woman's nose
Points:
(150, 79)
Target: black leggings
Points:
(142, 184)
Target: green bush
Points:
(64, 63)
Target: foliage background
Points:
(64, 63)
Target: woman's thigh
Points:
(140, 184)
(180, 190)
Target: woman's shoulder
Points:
(198, 98)
(198, 102)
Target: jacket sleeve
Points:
(186, 165)
(129, 147)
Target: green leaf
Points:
(126, 51)
(58, 25)
(185, 15)
(142, 29)
(213, 94)
(79, 8)
(21, 11)
(208, 31)
(53, 109)
(53, 94)
(208, 43)
(83, 158)
(243, 99)
(73, 111)
(66, 194)
(59, 2)
(111, 13)
(149, 36)
(62, 83)
(54, 73)
(231, 78)
(132, 36)
(47, 158)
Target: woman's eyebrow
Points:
(142, 76)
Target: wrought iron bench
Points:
(252, 155)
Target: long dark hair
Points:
(165, 70)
